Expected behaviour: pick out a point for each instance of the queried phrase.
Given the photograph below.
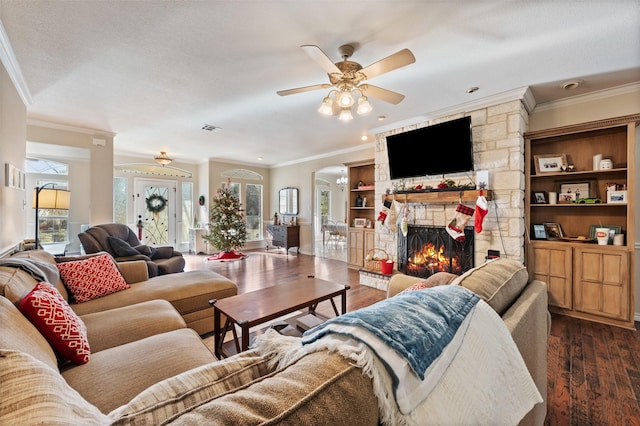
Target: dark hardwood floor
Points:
(593, 369)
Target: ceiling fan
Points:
(346, 78)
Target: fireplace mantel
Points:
(441, 197)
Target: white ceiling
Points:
(154, 72)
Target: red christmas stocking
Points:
(455, 228)
(482, 208)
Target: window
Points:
(188, 218)
(120, 200)
(253, 212)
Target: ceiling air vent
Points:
(211, 128)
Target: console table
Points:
(285, 236)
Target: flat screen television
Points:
(435, 150)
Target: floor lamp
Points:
(44, 198)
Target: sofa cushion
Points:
(319, 388)
(116, 375)
(165, 399)
(56, 321)
(17, 333)
(33, 393)
(121, 248)
(498, 282)
(92, 277)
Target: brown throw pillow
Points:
(498, 282)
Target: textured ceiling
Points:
(154, 72)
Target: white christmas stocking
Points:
(455, 228)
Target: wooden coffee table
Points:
(257, 307)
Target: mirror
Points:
(289, 201)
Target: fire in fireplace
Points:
(430, 249)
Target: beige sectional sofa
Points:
(189, 292)
(181, 383)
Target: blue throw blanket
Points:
(418, 325)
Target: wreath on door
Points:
(156, 203)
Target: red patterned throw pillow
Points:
(93, 277)
(417, 286)
(47, 310)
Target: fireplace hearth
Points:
(430, 249)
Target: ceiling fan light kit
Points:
(346, 78)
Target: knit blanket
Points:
(466, 370)
(40, 271)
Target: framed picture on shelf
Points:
(616, 197)
(581, 189)
(613, 229)
(550, 163)
(359, 222)
(538, 232)
(539, 197)
(553, 231)
(566, 197)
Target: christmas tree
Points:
(227, 224)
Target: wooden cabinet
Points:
(553, 264)
(360, 211)
(360, 242)
(601, 285)
(285, 236)
(584, 279)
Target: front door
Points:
(155, 207)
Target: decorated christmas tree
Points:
(227, 224)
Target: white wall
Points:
(13, 115)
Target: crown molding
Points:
(369, 145)
(69, 128)
(8, 59)
(591, 96)
(522, 93)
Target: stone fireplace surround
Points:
(498, 146)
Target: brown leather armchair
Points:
(121, 242)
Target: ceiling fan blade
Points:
(321, 58)
(382, 94)
(303, 89)
(390, 63)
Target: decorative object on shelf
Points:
(553, 197)
(539, 197)
(606, 164)
(616, 197)
(566, 197)
(550, 163)
(358, 201)
(618, 239)
(44, 198)
(613, 230)
(163, 159)
(596, 161)
(346, 77)
(364, 201)
(590, 200)
(539, 232)
(227, 224)
(602, 235)
(553, 231)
